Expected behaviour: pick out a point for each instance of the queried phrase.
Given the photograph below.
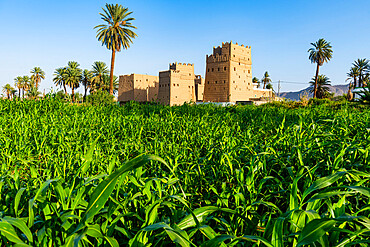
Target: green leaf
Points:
(17, 200)
(200, 214)
(322, 183)
(9, 232)
(21, 226)
(102, 192)
(277, 234)
(94, 231)
(314, 230)
(112, 241)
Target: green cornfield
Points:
(150, 175)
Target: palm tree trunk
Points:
(65, 89)
(264, 84)
(360, 80)
(354, 82)
(111, 71)
(22, 93)
(85, 93)
(73, 94)
(317, 75)
(19, 92)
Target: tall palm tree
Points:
(320, 52)
(73, 77)
(13, 92)
(363, 66)
(255, 80)
(37, 75)
(7, 89)
(117, 33)
(322, 82)
(266, 79)
(353, 74)
(59, 78)
(19, 84)
(33, 92)
(26, 84)
(99, 70)
(106, 83)
(86, 80)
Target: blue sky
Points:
(48, 34)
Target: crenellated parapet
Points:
(177, 66)
(217, 58)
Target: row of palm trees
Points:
(265, 79)
(359, 74)
(28, 84)
(73, 76)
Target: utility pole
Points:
(279, 89)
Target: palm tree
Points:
(363, 66)
(73, 77)
(353, 74)
(256, 81)
(99, 69)
(106, 82)
(59, 78)
(117, 33)
(322, 82)
(86, 81)
(320, 52)
(19, 84)
(7, 89)
(266, 79)
(33, 92)
(26, 84)
(37, 75)
(13, 92)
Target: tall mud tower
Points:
(229, 74)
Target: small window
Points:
(212, 69)
(189, 86)
(234, 55)
(233, 81)
(177, 84)
(207, 82)
(208, 70)
(146, 79)
(234, 68)
(176, 97)
(216, 82)
(174, 85)
(239, 63)
(218, 69)
(224, 82)
(225, 68)
(249, 71)
(189, 73)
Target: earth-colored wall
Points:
(177, 85)
(138, 87)
(229, 75)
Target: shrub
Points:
(100, 98)
(319, 101)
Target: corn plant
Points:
(82, 175)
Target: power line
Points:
(290, 82)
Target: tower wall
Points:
(138, 87)
(177, 86)
(229, 74)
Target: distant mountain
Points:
(336, 89)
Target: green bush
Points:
(100, 98)
(319, 101)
